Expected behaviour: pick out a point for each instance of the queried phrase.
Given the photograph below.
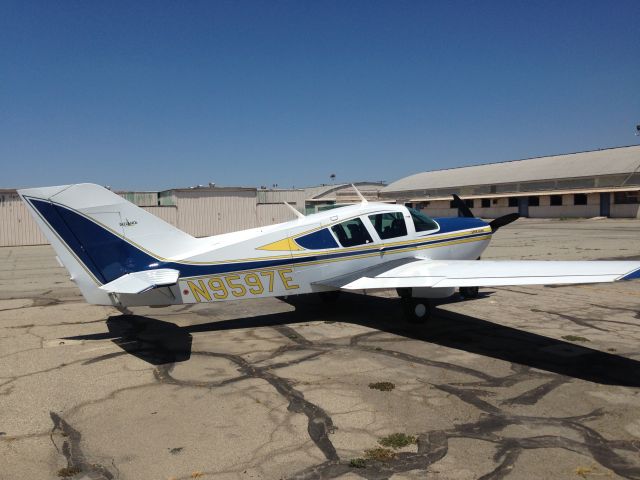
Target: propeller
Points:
(503, 220)
(462, 207)
(494, 224)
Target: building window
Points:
(452, 204)
(534, 201)
(486, 203)
(580, 199)
(513, 201)
(622, 198)
(469, 203)
(556, 200)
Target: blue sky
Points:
(150, 95)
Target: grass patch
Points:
(379, 454)
(358, 463)
(397, 440)
(382, 386)
(68, 472)
(575, 338)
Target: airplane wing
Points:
(485, 273)
(139, 282)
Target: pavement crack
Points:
(66, 440)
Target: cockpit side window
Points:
(352, 233)
(317, 240)
(389, 225)
(421, 221)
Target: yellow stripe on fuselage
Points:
(354, 257)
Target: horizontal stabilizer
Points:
(139, 282)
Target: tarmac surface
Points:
(523, 382)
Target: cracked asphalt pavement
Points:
(523, 382)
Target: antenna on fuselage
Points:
(363, 200)
(293, 209)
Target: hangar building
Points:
(585, 184)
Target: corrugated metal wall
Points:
(208, 212)
(142, 199)
(168, 214)
(17, 227)
(198, 212)
(270, 213)
(296, 198)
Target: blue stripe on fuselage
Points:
(109, 256)
(454, 224)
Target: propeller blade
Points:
(502, 221)
(462, 207)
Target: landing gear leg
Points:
(404, 292)
(469, 292)
(416, 310)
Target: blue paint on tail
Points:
(106, 255)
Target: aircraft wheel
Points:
(469, 292)
(416, 310)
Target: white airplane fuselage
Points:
(290, 258)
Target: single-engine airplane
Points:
(119, 254)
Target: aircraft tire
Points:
(416, 310)
(469, 292)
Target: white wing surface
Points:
(486, 273)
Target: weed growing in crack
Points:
(358, 463)
(68, 472)
(382, 386)
(397, 440)
(379, 454)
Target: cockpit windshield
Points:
(421, 221)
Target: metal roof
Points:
(609, 161)
(531, 194)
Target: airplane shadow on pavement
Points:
(160, 342)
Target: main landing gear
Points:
(416, 310)
(469, 292)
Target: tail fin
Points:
(99, 236)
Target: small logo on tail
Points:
(128, 223)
